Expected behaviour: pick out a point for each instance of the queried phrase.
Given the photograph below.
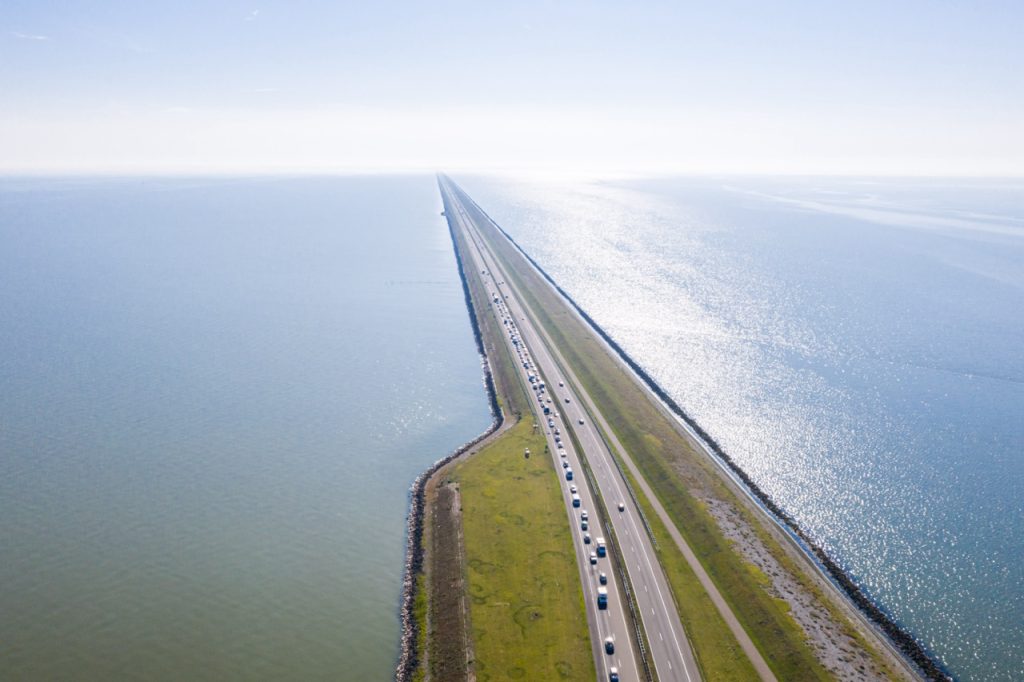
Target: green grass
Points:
(526, 608)
(680, 477)
(419, 610)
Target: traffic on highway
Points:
(577, 447)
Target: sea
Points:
(214, 396)
(855, 344)
(216, 392)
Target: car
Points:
(613, 674)
(593, 558)
(551, 422)
(581, 421)
(584, 515)
(584, 525)
(622, 506)
(602, 578)
(566, 401)
(572, 489)
(586, 538)
(557, 432)
(609, 645)
(561, 452)
(561, 383)
(565, 465)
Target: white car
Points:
(622, 506)
(581, 421)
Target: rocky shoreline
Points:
(409, 654)
(905, 642)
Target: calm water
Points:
(214, 396)
(857, 346)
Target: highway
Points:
(669, 650)
(614, 621)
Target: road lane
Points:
(670, 651)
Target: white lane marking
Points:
(589, 430)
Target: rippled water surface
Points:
(214, 396)
(856, 345)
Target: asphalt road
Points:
(669, 649)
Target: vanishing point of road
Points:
(669, 650)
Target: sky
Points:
(924, 88)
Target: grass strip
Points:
(526, 602)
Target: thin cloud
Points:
(252, 15)
(29, 36)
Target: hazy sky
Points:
(885, 87)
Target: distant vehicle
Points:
(572, 488)
(561, 452)
(568, 474)
(602, 549)
(584, 525)
(575, 500)
(565, 465)
(593, 559)
(602, 597)
(581, 422)
(602, 578)
(561, 383)
(622, 506)
(613, 674)
(586, 538)
(557, 432)
(609, 645)
(551, 423)
(584, 515)
(566, 401)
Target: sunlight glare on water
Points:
(854, 345)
